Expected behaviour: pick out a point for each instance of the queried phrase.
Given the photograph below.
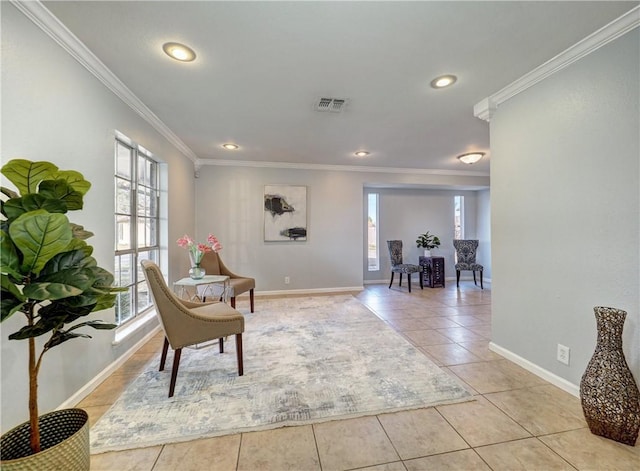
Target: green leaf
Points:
(18, 206)
(61, 312)
(9, 260)
(65, 260)
(39, 235)
(9, 193)
(26, 175)
(60, 190)
(36, 330)
(78, 244)
(79, 232)
(106, 301)
(9, 304)
(75, 180)
(78, 277)
(100, 325)
(10, 287)
(61, 337)
(51, 291)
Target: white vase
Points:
(427, 253)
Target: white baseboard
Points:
(346, 289)
(104, 374)
(536, 370)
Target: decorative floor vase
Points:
(197, 273)
(64, 438)
(609, 394)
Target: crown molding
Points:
(337, 168)
(52, 26)
(486, 108)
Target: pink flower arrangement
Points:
(197, 250)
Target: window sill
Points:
(131, 327)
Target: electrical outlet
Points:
(563, 354)
(286, 280)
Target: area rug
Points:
(306, 360)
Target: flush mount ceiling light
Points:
(179, 52)
(230, 146)
(361, 153)
(443, 81)
(471, 157)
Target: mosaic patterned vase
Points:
(609, 394)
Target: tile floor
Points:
(517, 422)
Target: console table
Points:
(432, 271)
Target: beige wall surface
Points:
(565, 209)
(54, 109)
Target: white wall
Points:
(404, 214)
(483, 231)
(230, 204)
(565, 209)
(53, 109)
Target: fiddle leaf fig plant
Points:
(47, 272)
(428, 241)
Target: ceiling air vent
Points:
(334, 105)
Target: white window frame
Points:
(375, 266)
(143, 240)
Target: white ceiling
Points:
(262, 65)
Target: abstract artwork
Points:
(285, 213)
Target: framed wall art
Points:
(285, 213)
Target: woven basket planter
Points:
(64, 439)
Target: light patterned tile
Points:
(139, 459)
(421, 338)
(286, 448)
(481, 423)
(589, 452)
(522, 455)
(464, 460)
(197, 455)
(451, 354)
(495, 376)
(420, 432)
(542, 409)
(353, 443)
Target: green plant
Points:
(47, 271)
(428, 241)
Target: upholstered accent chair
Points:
(466, 259)
(212, 264)
(395, 253)
(186, 323)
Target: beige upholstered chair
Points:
(212, 264)
(186, 323)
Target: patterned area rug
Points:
(307, 360)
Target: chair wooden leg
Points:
(251, 298)
(458, 278)
(174, 371)
(221, 344)
(233, 302)
(400, 282)
(421, 280)
(239, 354)
(481, 287)
(474, 278)
(163, 357)
(409, 281)
(391, 282)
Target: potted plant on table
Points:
(428, 242)
(49, 277)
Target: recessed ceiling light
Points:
(443, 81)
(471, 157)
(230, 146)
(361, 153)
(179, 52)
